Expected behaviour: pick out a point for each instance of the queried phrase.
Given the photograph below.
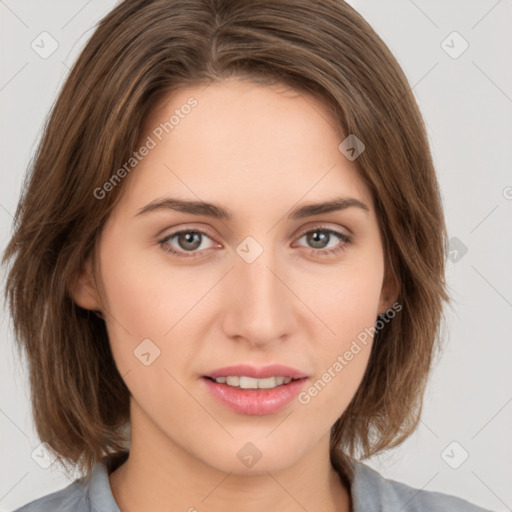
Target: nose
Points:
(261, 305)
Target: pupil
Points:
(193, 238)
(318, 239)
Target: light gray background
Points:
(467, 105)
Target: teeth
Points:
(251, 383)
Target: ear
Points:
(389, 293)
(83, 289)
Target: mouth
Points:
(248, 371)
(251, 383)
(256, 396)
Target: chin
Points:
(257, 455)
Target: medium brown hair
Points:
(144, 49)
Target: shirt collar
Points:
(100, 492)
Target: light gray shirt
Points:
(370, 492)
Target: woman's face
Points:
(268, 283)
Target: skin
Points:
(259, 152)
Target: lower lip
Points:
(255, 402)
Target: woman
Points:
(228, 263)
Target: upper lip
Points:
(257, 372)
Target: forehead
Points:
(236, 141)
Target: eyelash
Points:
(315, 252)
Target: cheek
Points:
(345, 299)
(130, 300)
(343, 351)
(355, 306)
(331, 391)
(148, 299)
(142, 295)
(348, 308)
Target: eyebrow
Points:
(218, 212)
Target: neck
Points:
(158, 477)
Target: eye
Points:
(188, 243)
(187, 240)
(321, 241)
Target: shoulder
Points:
(91, 493)
(73, 497)
(371, 491)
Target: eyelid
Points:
(326, 227)
(345, 239)
(187, 229)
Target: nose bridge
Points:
(260, 309)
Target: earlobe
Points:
(83, 289)
(389, 293)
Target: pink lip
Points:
(262, 372)
(255, 402)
